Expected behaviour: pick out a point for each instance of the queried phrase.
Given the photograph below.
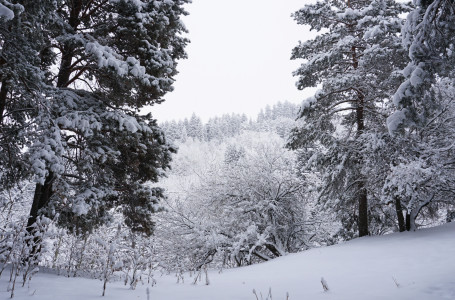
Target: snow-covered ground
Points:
(414, 265)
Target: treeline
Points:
(278, 117)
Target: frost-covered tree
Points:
(242, 206)
(195, 128)
(429, 35)
(425, 109)
(355, 59)
(22, 81)
(281, 119)
(422, 126)
(421, 178)
(97, 63)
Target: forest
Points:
(90, 186)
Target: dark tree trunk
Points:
(363, 201)
(68, 50)
(65, 67)
(43, 193)
(360, 120)
(408, 222)
(363, 211)
(362, 192)
(399, 210)
(3, 96)
(273, 249)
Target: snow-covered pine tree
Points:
(422, 125)
(21, 83)
(195, 128)
(429, 34)
(355, 60)
(100, 62)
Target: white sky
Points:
(238, 59)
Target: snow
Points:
(308, 102)
(395, 120)
(412, 265)
(108, 58)
(6, 13)
(417, 76)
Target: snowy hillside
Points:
(414, 265)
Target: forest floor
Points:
(413, 265)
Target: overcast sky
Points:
(238, 59)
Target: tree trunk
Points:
(3, 95)
(65, 66)
(408, 222)
(272, 248)
(399, 210)
(360, 120)
(362, 192)
(411, 220)
(412, 214)
(43, 193)
(411, 217)
(363, 211)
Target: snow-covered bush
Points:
(248, 205)
(21, 248)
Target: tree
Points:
(171, 130)
(422, 122)
(429, 36)
(195, 127)
(100, 62)
(355, 60)
(247, 205)
(21, 80)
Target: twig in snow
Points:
(325, 286)
(254, 292)
(396, 282)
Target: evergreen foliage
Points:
(280, 119)
(422, 125)
(356, 60)
(71, 92)
(429, 36)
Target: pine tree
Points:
(22, 79)
(355, 60)
(195, 127)
(429, 34)
(422, 125)
(98, 63)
